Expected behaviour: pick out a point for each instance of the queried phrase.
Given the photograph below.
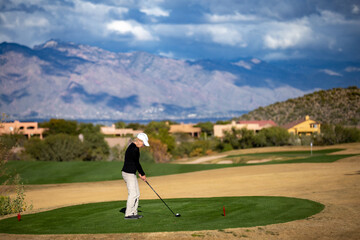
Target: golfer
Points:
(131, 165)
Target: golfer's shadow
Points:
(123, 210)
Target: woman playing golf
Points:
(131, 165)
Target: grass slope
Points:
(69, 172)
(196, 214)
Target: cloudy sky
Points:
(192, 29)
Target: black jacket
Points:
(132, 163)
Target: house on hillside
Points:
(185, 128)
(303, 127)
(28, 129)
(219, 130)
(119, 131)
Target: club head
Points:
(177, 215)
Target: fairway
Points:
(196, 214)
(71, 172)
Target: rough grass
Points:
(196, 214)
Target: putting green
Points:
(196, 214)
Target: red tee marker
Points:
(224, 210)
(19, 217)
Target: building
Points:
(219, 130)
(185, 128)
(28, 129)
(303, 127)
(119, 131)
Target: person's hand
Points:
(142, 177)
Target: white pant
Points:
(133, 193)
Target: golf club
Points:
(177, 214)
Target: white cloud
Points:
(230, 18)
(34, 21)
(287, 35)
(20, 20)
(355, 9)
(331, 72)
(156, 11)
(255, 60)
(243, 64)
(352, 69)
(282, 56)
(167, 54)
(96, 10)
(226, 35)
(130, 27)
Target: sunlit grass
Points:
(196, 214)
(69, 172)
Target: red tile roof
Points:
(260, 122)
(292, 124)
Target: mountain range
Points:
(72, 81)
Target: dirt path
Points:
(337, 185)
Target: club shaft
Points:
(160, 198)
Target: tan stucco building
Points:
(219, 130)
(185, 128)
(28, 129)
(303, 127)
(119, 131)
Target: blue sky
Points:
(197, 29)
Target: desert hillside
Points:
(334, 106)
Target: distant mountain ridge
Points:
(68, 80)
(334, 106)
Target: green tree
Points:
(239, 138)
(59, 147)
(334, 134)
(273, 136)
(160, 130)
(120, 124)
(154, 127)
(328, 136)
(56, 126)
(135, 126)
(247, 138)
(223, 122)
(206, 127)
(94, 144)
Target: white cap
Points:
(143, 137)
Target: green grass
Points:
(69, 172)
(196, 214)
(319, 156)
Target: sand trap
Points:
(259, 161)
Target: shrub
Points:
(57, 126)
(16, 205)
(240, 138)
(273, 136)
(335, 134)
(8, 205)
(146, 155)
(117, 153)
(159, 150)
(60, 147)
(196, 152)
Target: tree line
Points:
(67, 140)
